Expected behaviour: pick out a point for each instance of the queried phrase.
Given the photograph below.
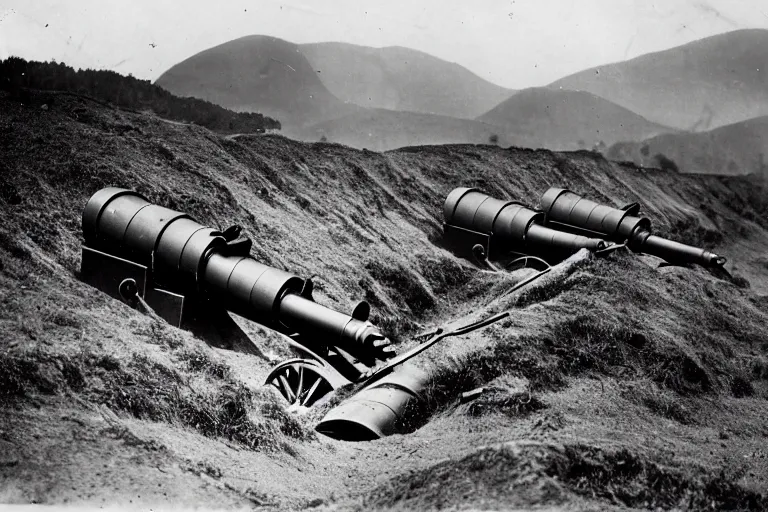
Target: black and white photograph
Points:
(407, 255)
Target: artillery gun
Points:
(192, 276)
(568, 211)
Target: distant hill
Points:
(20, 76)
(708, 83)
(398, 78)
(567, 120)
(739, 148)
(257, 74)
(382, 130)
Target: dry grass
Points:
(148, 390)
(514, 405)
(513, 474)
(688, 351)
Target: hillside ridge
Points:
(567, 120)
(739, 148)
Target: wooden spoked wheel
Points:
(300, 381)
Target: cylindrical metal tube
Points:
(146, 227)
(449, 207)
(304, 315)
(559, 242)
(379, 409)
(675, 252)
(249, 288)
(172, 243)
(466, 208)
(202, 242)
(95, 208)
(562, 206)
(512, 223)
(113, 222)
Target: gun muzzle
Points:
(187, 257)
(677, 253)
(510, 226)
(569, 211)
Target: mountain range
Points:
(702, 85)
(384, 98)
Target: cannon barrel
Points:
(511, 226)
(186, 257)
(675, 252)
(569, 211)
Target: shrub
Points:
(665, 163)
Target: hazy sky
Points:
(514, 43)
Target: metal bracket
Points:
(105, 272)
(462, 241)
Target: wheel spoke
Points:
(300, 388)
(311, 391)
(300, 383)
(287, 388)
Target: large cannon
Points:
(480, 226)
(191, 275)
(565, 210)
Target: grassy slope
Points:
(613, 383)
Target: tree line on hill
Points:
(19, 76)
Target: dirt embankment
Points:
(613, 383)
